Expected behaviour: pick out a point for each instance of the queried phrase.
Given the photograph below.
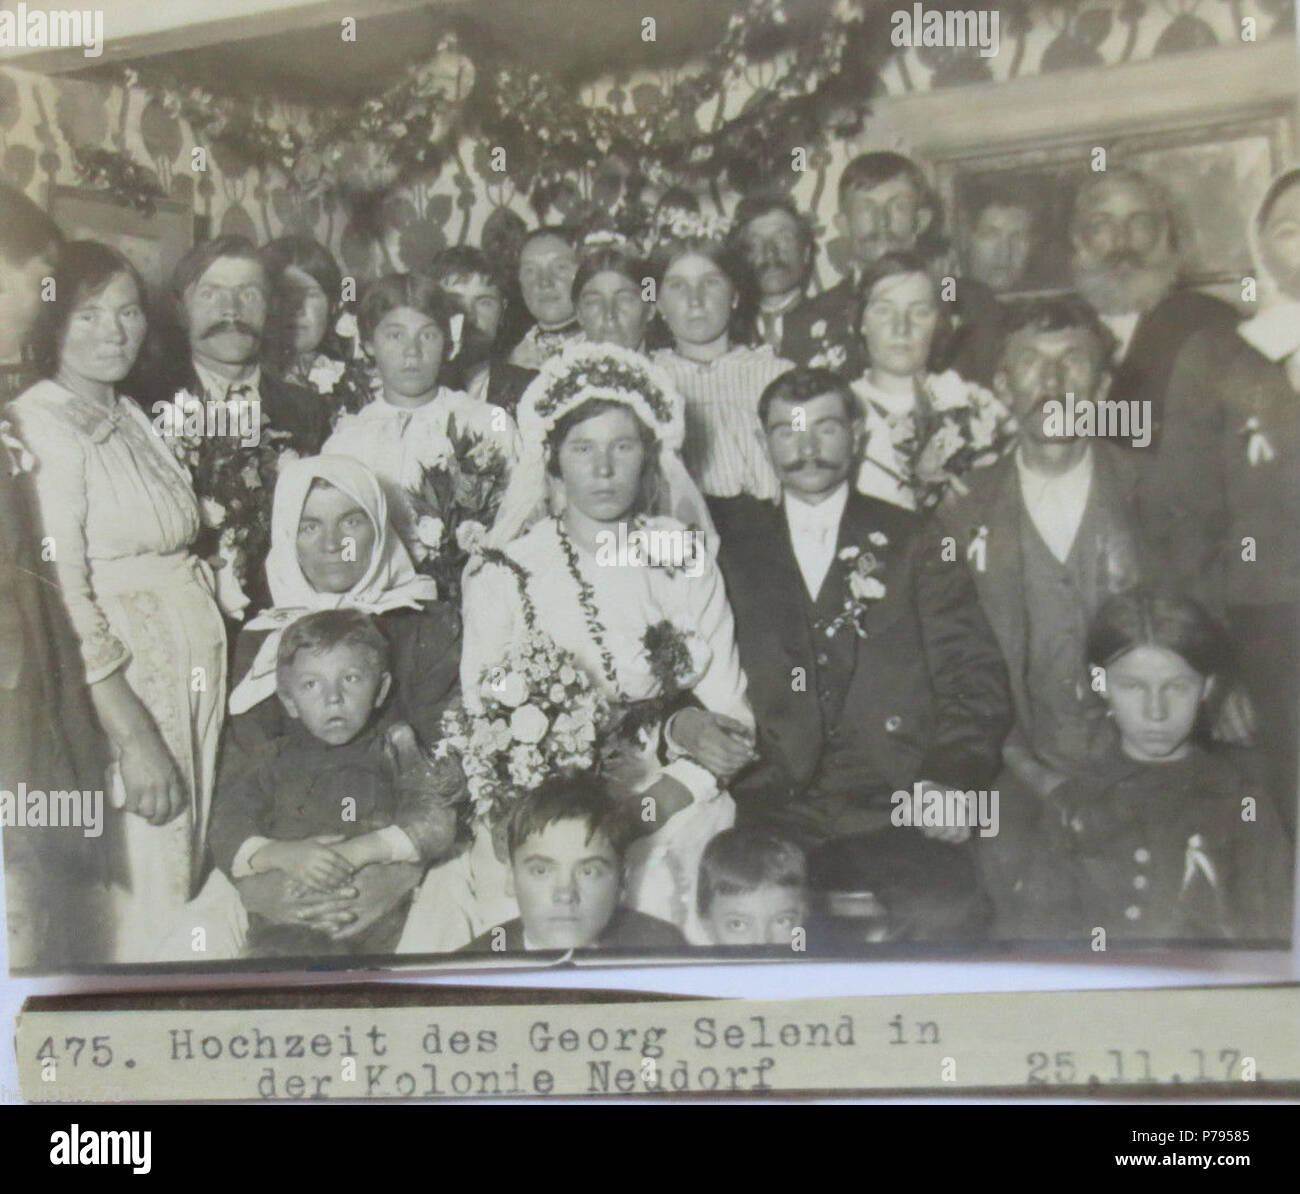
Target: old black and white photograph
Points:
(487, 482)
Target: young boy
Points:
(325, 800)
(566, 871)
(753, 889)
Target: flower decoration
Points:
(539, 716)
(862, 584)
(585, 370)
(955, 426)
(456, 502)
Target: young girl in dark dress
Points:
(1167, 840)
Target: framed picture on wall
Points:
(152, 243)
(1011, 208)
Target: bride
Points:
(601, 430)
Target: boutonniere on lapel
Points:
(862, 583)
(1258, 448)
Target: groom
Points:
(871, 669)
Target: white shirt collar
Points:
(216, 386)
(1122, 328)
(380, 408)
(805, 516)
(783, 306)
(1056, 501)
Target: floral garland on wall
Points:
(805, 79)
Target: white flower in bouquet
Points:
(325, 373)
(212, 512)
(949, 391)
(529, 724)
(942, 446)
(346, 326)
(470, 535)
(527, 767)
(567, 675)
(556, 693)
(429, 531)
(510, 688)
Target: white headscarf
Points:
(1275, 332)
(583, 371)
(390, 580)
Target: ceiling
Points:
(314, 65)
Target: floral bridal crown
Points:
(585, 371)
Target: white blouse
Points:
(112, 499)
(396, 444)
(725, 449)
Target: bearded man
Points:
(1126, 265)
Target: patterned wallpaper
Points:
(41, 118)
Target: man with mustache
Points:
(219, 292)
(1125, 264)
(871, 669)
(777, 241)
(887, 206)
(1050, 533)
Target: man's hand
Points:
(953, 834)
(379, 889)
(309, 863)
(722, 744)
(271, 897)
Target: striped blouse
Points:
(725, 450)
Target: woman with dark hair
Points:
(301, 344)
(1168, 839)
(601, 429)
(609, 296)
(406, 324)
(924, 429)
(49, 737)
(121, 514)
(704, 293)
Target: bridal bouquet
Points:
(453, 507)
(965, 427)
(541, 717)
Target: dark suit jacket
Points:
(926, 694)
(1202, 495)
(627, 929)
(507, 383)
(303, 413)
(1145, 371)
(292, 408)
(972, 350)
(994, 501)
